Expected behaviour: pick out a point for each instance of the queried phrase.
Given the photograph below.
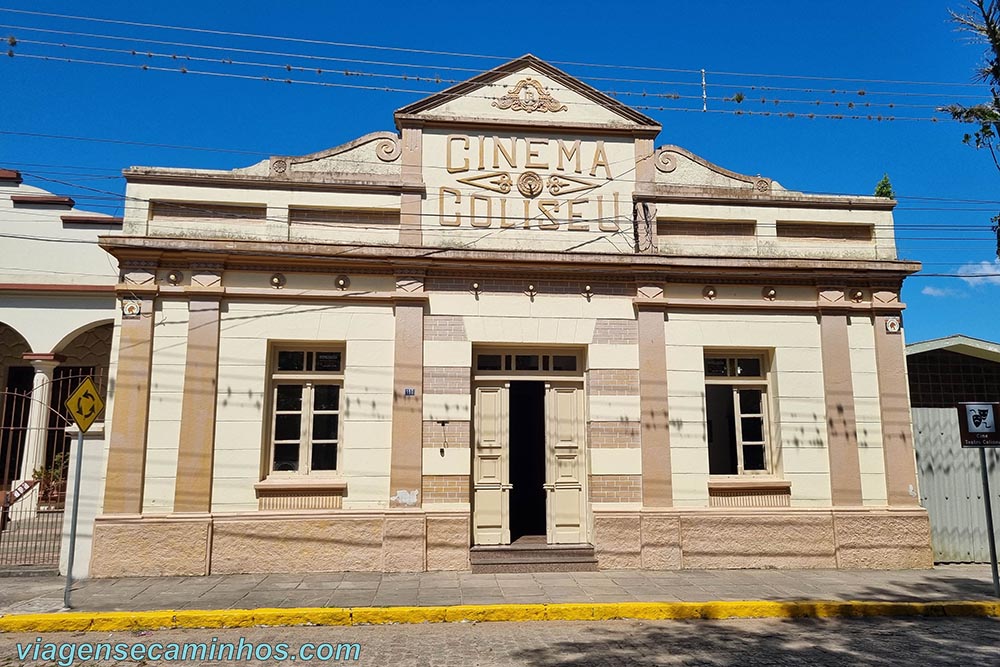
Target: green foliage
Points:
(884, 188)
(52, 480)
(983, 23)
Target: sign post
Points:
(85, 405)
(977, 423)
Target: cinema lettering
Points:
(529, 182)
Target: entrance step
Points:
(532, 554)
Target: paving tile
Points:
(483, 599)
(439, 600)
(393, 601)
(276, 586)
(440, 585)
(319, 585)
(362, 576)
(358, 585)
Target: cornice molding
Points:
(395, 259)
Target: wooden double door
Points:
(529, 468)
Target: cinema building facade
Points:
(514, 334)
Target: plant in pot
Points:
(52, 482)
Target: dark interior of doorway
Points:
(15, 403)
(527, 459)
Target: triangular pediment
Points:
(526, 91)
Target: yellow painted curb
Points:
(243, 618)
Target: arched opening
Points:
(15, 388)
(84, 353)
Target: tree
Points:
(982, 22)
(884, 188)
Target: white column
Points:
(38, 424)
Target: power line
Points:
(134, 143)
(454, 54)
(436, 78)
(391, 89)
(405, 77)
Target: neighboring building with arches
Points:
(57, 304)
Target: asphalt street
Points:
(840, 643)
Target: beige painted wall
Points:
(797, 405)
(276, 225)
(366, 421)
(166, 393)
(861, 339)
(766, 242)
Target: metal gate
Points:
(951, 487)
(32, 501)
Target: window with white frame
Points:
(736, 415)
(306, 390)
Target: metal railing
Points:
(32, 504)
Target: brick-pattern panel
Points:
(609, 435)
(446, 380)
(452, 434)
(444, 327)
(446, 489)
(519, 285)
(622, 332)
(612, 382)
(615, 488)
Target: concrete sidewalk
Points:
(252, 591)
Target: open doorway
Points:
(527, 459)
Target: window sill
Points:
(304, 485)
(749, 493)
(300, 494)
(749, 484)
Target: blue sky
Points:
(947, 191)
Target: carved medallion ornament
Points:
(529, 184)
(530, 96)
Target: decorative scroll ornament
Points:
(494, 181)
(665, 162)
(530, 96)
(388, 150)
(530, 184)
(567, 185)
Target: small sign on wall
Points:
(977, 423)
(131, 309)
(409, 391)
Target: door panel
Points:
(490, 497)
(565, 464)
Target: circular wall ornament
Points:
(388, 150)
(665, 162)
(530, 184)
(893, 325)
(279, 166)
(131, 308)
(762, 185)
